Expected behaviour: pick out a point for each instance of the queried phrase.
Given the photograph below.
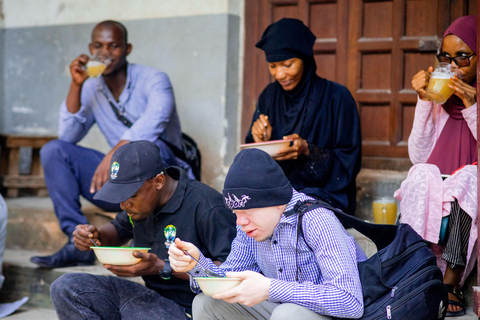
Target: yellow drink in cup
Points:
(95, 68)
(384, 210)
(438, 90)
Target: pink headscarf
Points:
(456, 136)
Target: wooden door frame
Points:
(252, 16)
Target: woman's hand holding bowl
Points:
(299, 147)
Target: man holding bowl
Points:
(152, 198)
(267, 253)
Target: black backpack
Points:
(190, 154)
(400, 281)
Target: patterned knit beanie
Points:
(255, 180)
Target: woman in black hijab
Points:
(319, 115)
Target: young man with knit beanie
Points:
(284, 276)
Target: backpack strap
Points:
(382, 235)
(176, 151)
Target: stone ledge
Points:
(33, 225)
(25, 279)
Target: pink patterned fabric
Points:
(421, 195)
(425, 199)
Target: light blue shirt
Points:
(147, 101)
(328, 279)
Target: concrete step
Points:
(33, 225)
(25, 279)
(33, 314)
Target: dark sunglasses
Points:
(461, 61)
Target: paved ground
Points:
(35, 314)
(469, 316)
(43, 314)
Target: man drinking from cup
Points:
(128, 102)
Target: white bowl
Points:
(270, 147)
(211, 285)
(118, 256)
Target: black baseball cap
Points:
(131, 165)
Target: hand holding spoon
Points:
(207, 271)
(93, 242)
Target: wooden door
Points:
(374, 47)
(388, 45)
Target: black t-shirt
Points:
(200, 216)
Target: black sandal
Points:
(459, 294)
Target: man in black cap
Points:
(284, 275)
(151, 198)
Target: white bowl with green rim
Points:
(118, 256)
(212, 285)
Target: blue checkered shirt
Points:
(328, 280)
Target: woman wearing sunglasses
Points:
(445, 138)
(319, 115)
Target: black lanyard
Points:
(117, 112)
(176, 151)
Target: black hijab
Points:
(286, 39)
(283, 40)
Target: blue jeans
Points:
(69, 170)
(86, 296)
